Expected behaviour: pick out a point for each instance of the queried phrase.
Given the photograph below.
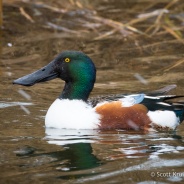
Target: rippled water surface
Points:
(33, 33)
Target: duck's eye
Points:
(67, 60)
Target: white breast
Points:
(71, 114)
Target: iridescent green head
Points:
(74, 67)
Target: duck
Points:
(74, 109)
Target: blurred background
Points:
(124, 38)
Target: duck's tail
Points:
(179, 110)
(164, 101)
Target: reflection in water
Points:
(74, 157)
(69, 136)
(77, 151)
(87, 149)
(80, 156)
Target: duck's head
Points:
(74, 67)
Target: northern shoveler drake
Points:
(74, 110)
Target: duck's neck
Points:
(76, 90)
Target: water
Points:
(30, 153)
